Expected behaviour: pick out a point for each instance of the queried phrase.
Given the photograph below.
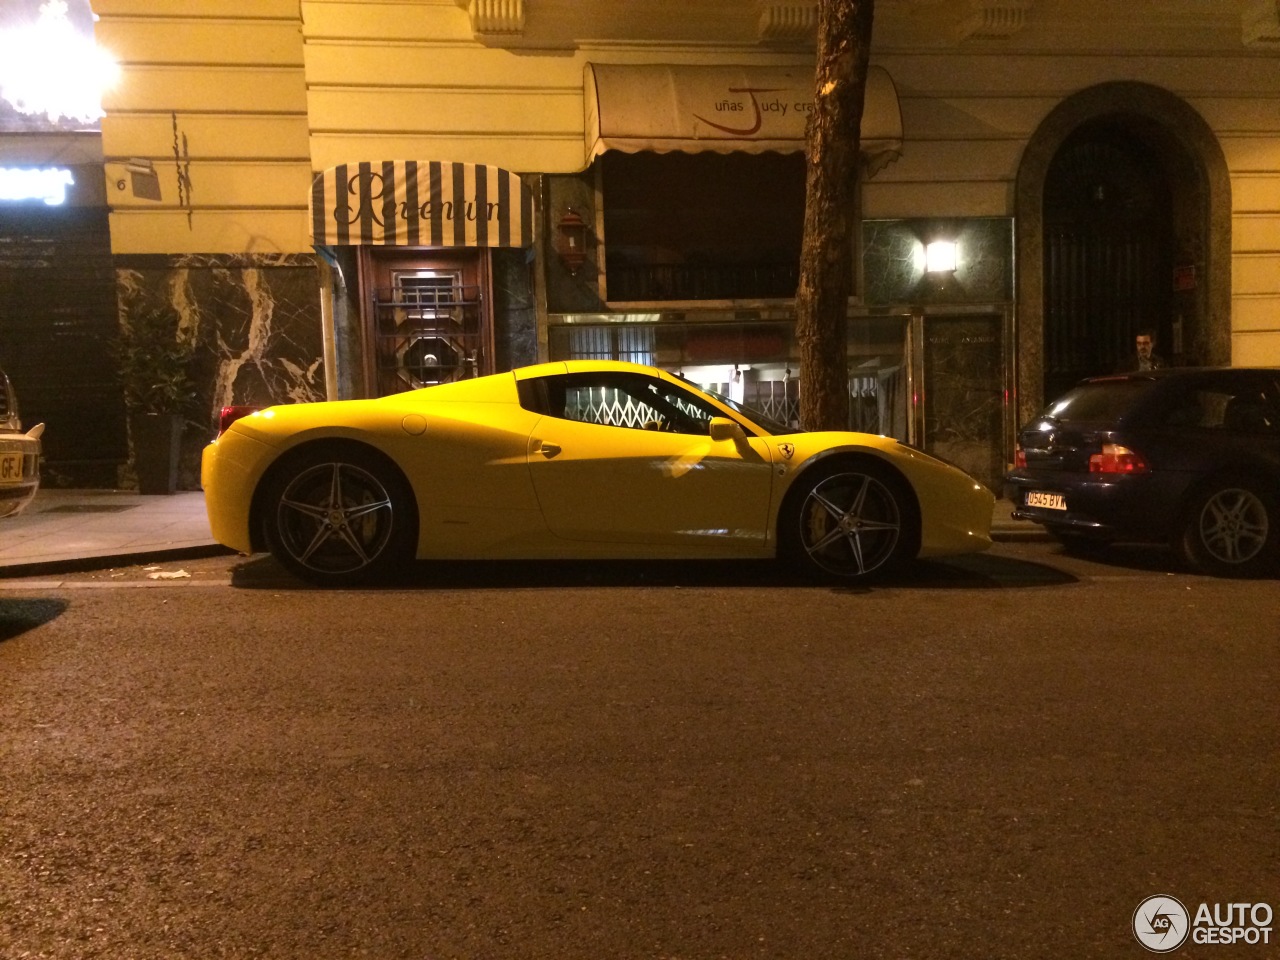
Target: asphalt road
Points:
(996, 757)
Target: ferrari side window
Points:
(607, 404)
(628, 400)
(534, 397)
(687, 414)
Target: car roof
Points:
(581, 366)
(1169, 373)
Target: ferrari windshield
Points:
(768, 424)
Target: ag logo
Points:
(1161, 923)
(787, 450)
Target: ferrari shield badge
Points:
(787, 450)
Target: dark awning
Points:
(664, 107)
(409, 203)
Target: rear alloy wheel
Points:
(1230, 531)
(849, 522)
(337, 518)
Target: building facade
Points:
(346, 198)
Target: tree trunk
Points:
(830, 211)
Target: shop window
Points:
(702, 226)
(757, 363)
(610, 342)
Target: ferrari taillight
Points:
(230, 415)
(1117, 459)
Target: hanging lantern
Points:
(571, 240)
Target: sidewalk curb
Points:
(38, 568)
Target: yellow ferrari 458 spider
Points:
(574, 460)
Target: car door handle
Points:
(548, 450)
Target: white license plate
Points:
(1046, 501)
(10, 468)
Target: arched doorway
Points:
(1108, 253)
(1123, 196)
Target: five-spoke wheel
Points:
(849, 521)
(1231, 530)
(339, 516)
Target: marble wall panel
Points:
(515, 321)
(255, 323)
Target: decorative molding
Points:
(787, 21)
(495, 17)
(1260, 23)
(993, 19)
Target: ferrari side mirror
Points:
(722, 428)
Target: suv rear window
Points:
(1103, 401)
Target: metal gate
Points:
(429, 331)
(1102, 285)
(1108, 259)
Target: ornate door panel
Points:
(431, 320)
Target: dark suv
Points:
(19, 455)
(1190, 457)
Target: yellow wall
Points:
(387, 79)
(266, 91)
(213, 90)
(967, 116)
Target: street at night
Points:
(996, 756)
(298, 297)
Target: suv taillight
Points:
(1117, 459)
(230, 415)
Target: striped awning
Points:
(411, 203)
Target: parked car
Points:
(574, 460)
(19, 455)
(1188, 457)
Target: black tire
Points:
(849, 521)
(339, 515)
(1231, 528)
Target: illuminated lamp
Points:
(940, 257)
(571, 240)
(30, 183)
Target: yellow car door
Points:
(603, 472)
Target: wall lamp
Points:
(571, 240)
(940, 256)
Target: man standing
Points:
(1146, 358)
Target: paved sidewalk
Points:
(67, 530)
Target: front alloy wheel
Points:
(336, 522)
(1230, 531)
(851, 523)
